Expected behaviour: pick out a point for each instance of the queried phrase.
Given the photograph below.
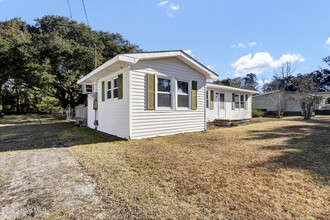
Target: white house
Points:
(150, 94)
(323, 103)
(268, 102)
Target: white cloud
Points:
(159, 4)
(175, 7)
(262, 82)
(327, 44)
(252, 44)
(262, 62)
(291, 58)
(242, 45)
(188, 51)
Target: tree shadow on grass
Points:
(306, 147)
(47, 133)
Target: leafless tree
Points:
(263, 84)
(307, 92)
(280, 98)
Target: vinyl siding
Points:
(150, 123)
(268, 101)
(240, 113)
(113, 114)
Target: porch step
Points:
(229, 122)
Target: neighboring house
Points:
(267, 102)
(150, 94)
(323, 103)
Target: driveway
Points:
(42, 179)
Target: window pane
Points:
(182, 87)
(222, 101)
(236, 101)
(242, 101)
(109, 85)
(207, 99)
(164, 100)
(164, 85)
(222, 97)
(109, 94)
(115, 93)
(183, 101)
(115, 83)
(89, 88)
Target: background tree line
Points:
(41, 63)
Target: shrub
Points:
(256, 112)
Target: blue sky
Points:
(231, 37)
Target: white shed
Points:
(149, 94)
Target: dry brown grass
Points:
(272, 168)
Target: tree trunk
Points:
(278, 111)
(308, 111)
(17, 100)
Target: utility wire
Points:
(83, 2)
(69, 8)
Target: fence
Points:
(79, 112)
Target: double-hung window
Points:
(242, 101)
(236, 101)
(164, 92)
(207, 99)
(183, 94)
(115, 88)
(109, 89)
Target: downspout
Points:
(205, 91)
(95, 106)
(129, 100)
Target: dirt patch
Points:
(39, 178)
(46, 183)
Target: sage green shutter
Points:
(194, 95)
(151, 91)
(103, 91)
(120, 86)
(233, 101)
(246, 101)
(211, 100)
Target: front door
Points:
(220, 104)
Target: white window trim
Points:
(156, 91)
(107, 89)
(189, 94)
(240, 101)
(207, 99)
(113, 88)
